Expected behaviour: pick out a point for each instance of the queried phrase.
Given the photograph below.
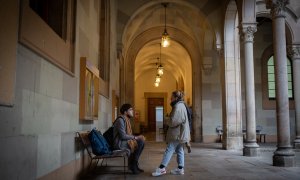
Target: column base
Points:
(284, 161)
(284, 157)
(297, 143)
(251, 150)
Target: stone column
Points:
(251, 148)
(284, 155)
(230, 75)
(294, 52)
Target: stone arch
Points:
(291, 21)
(155, 4)
(191, 47)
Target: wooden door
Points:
(152, 104)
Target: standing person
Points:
(177, 135)
(124, 139)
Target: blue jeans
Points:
(171, 147)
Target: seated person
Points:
(124, 139)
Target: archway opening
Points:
(177, 75)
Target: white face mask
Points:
(130, 113)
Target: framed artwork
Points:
(89, 90)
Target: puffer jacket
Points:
(178, 123)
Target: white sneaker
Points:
(159, 172)
(177, 171)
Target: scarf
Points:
(132, 142)
(174, 102)
(128, 126)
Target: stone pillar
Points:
(251, 148)
(232, 138)
(294, 53)
(284, 155)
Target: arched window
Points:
(268, 80)
(271, 78)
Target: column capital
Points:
(294, 51)
(278, 7)
(248, 31)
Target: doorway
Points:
(155, 113)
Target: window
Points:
(104, 40)
(48, 28)
(104, 46)
(271, 78)
(53, 12)
(268, 80)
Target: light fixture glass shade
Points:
(156, 84)
(157, 79)
(165, 39)
(160, 70)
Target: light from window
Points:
(271, 79)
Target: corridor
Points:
(68, 66)
(207, 161)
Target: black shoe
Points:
(134, 168)
(134, 171)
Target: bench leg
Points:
(264, 138)
(91, 164)
(97, 161)
(260, 138)
(124, 167)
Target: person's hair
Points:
(125, 107)
(178, 95)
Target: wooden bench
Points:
(259, 136)
(83, 136)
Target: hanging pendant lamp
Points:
(165, 39)
(160, 68)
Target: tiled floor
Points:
(207, 161)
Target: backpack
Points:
(189, 114)
(109, 134)
(98, 143)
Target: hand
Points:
(141, 137)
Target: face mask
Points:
(130, 113)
